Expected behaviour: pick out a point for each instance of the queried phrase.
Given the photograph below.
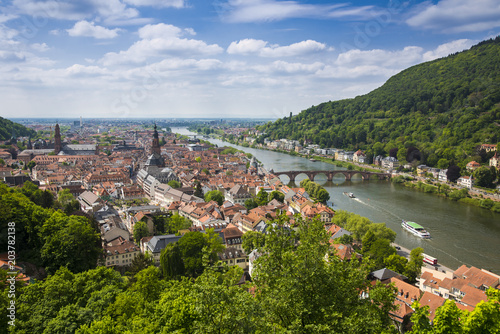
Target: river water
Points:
(461, 234)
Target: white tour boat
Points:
(415, 229)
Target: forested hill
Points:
(444, 107)
(7, 128)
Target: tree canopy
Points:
(445, 108)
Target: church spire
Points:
(156, 143)
(57, 140)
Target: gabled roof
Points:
(433, 301)
(383, 274)
(159, 242)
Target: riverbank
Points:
(461, 234)
(460, 195)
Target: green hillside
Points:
(8, 127)
(445, 108)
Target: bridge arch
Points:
(348, 174)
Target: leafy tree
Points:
(213, 246)
(346, 239)
(396, 263)
(197, 159)
(251, 203)
(262, 198)
(174, 184)
(414, 265)
(379, 251)
(393, 152)
(304, 293)
(171, 261)
(191, 246)
(322, 195)
(30, 165)
(278, 195)
(215, 195)
(175, 223)
(140, 231)
(447, 319)
(198, 191)
(252, 240)
(73, 244)
(443, 163)
(453, 173)
(139, 262)
(484, 177)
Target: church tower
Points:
(156, 143)
(57, 140)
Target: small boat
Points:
(350, 195)
(313, 160)
(415, 229)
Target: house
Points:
(489, 147)
(237, 194)
(422, 170)
(466, 181)
(390, 163)
(111, 230)
(120, 253)
(377, 161)
(442, 175)
(433, 301)
(232, 237)
(472, 166)
(346, 252)
(495, 160)
(465, 285)
(234, 257)
(359, 157)
(90, 202)
(383, 275)
(154, 245)
(337, 231)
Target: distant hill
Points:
(445, 108)
(6, 127)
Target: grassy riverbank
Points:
(443, 190)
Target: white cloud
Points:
(40, 47)
(157, 3)
(79, 70)
(446, 49)
(7, 17)
(281, 66)
(89, 29)
(109, 11)
(160, 30)
(261, 48)
(272, 10)
(161, 40)
(395, 59)
(454, 16)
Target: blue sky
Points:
(218, 58)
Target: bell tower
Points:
(57, 140)
(155, 149)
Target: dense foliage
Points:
(315, 190)
(45, 235)
(445, 108)
(8, 128)
(296, 290)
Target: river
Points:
(461, 234)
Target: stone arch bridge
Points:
(331, 173)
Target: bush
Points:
(487, 203)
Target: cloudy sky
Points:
(218, 58)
